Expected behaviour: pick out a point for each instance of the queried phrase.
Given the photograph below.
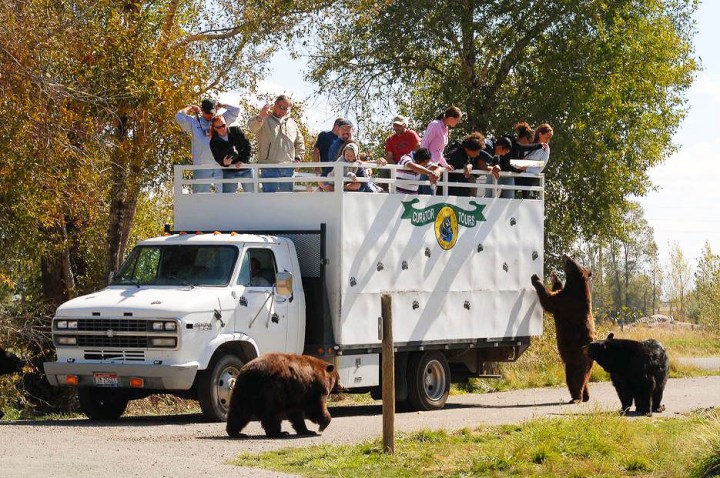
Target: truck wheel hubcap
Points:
(225, 384)
(434, 380)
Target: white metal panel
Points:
(443, 317)
(488, 270)
(359, 370)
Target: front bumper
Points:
(157, 377)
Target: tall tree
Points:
(679, 276)
(93, 86)
(609, 77)
(707, 288)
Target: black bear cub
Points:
(638, 370)
(277, 387)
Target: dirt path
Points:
(179, 446)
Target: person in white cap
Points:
(403, 141)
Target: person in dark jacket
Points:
(465, 156)
(230, 147)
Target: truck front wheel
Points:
(102, 403)
(215, 386)
(428, 376)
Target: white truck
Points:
(303, 272)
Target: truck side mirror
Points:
(283, 284)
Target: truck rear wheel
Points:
(102, 403)
(428, 376)
(215, 386)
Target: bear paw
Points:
(659, 409)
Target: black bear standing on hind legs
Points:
(277, 387)
(574, 323)
(638, 370)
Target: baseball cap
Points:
(208, 106)
(399, 119)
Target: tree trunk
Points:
(58, 280)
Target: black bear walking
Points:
(638, 370)
(278, 387)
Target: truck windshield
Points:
(178, 265)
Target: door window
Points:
(258, 268)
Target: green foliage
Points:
(608, 76)
(707, 289)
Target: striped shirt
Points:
(408, 175)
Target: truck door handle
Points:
(257, 291)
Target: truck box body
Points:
(477, 289)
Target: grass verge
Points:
(540, 365)
(582, 446)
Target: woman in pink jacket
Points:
(435, 138)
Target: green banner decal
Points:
(420, 217)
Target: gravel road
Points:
(182, 445)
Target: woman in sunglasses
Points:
(231, 149)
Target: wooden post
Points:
(388, 376)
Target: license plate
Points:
(106, 379)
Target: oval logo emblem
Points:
(446, 228)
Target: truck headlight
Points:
(72, 324)
(157, 325)
(67, 340)
(170, 326)
(163, 341)
(61, 324)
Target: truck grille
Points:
(117, 333)
(120, 342)
(118, 325)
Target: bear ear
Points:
(610, 336)
(589, 274)
(330, 368)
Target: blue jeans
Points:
(507, 193)
(426, 190)
(234, 174)
(277, 173)
(204, 174)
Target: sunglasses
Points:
(221, 126)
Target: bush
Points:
(25, 331)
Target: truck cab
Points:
(303, 272)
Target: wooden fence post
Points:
(388, 376)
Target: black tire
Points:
(102, 404)
(428, 376)
(215, 386)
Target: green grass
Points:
(540, 365)
(603, 444)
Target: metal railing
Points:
(307, 178)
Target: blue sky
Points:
(684, 209)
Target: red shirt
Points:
(401, 144)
